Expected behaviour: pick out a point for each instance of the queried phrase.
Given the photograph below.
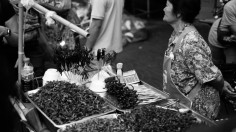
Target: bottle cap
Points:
(119, 65)
(26, 59)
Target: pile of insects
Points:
(64, 102)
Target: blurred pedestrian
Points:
(222, 41)
(222, 36)
(105, 27)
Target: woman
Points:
(188, 72)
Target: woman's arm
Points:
(198, 60)
(217, 83)
(223, 86)
(94, 33)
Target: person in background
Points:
(40, 39)
(32, 49)
(218, 56)
(223, 52)
(105, 27)
(189, 74)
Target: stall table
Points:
(34, 123)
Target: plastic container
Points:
(51, 75)
(119, 72)
(27, 77)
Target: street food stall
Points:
(82, 96)
(110, 109)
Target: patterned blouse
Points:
(192, 64)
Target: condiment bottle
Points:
(27, 77)
(119, 72)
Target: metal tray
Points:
(116, 114)
(162, 100)
(172, 102)
(107, 116)
(206, 120)
(52, 126)
(146, 95)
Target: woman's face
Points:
(169, 16)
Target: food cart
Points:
(36, 119)
(154, 97)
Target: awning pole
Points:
(20, 45)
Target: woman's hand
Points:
(228, 90)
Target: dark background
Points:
(138, 8)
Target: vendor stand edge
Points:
(45, 11)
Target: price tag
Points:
(130, 77)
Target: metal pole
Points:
(20, 45)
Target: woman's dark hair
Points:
(188, 9)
